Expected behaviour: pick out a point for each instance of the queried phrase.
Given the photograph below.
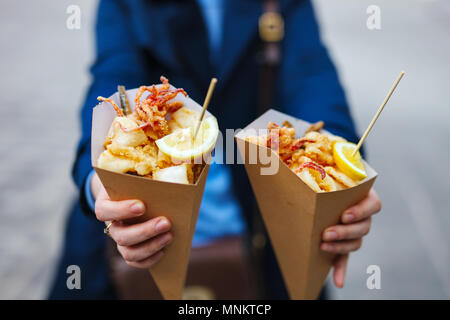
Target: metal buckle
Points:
(198, 293)
(271, 27)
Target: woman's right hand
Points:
(139, 244)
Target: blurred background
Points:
(44, 75)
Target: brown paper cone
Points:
(294, 215)
(180, 203)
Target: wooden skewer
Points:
(124, 103)
(374, 119)
(212, 85)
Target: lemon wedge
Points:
(180, 145)
(351, 166)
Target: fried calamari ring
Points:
(307, 178)
(314, 166)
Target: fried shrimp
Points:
(315, 127)
(321, 150)
(309, 157)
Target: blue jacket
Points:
(137, 41)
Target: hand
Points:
(346, 237)
(139, 244)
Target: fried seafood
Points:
(178, 174)
(315, 127)
(310, 157)
(153, 110)
(340, 177)
(319, 148)
(130, 144)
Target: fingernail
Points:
(327, 247)
(162, 225)
(165, 240)
(348, 216)
(330, 235)
(137, 207)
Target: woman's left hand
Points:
(347, 237)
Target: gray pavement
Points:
(409, 144)
(44, 76)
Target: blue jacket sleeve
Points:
(310, 87)
(119, 61)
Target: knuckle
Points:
(127, 255)
(154, 222)
(119, 238)
(342, 233)
(163, 241)
(124, 207)
(359, 214)
(153, 248)
(148, 231)
(120, 249)
(99, 211)
(119, 210)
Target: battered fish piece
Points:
(321, 150)
(177, 174)
(141, 159)
(130, 144)
(127, 149)
(126, 137)
(185, 118)
(110, 162)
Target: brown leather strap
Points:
(219, 270)
(271, 31)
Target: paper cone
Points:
(294, 215)
(180, 203)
